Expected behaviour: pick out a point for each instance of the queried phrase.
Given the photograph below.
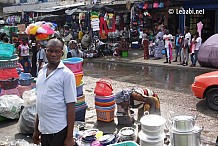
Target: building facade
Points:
(209, 18)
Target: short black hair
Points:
(55, 42)
(6, 39)
(2, 35)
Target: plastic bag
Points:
(29, 97)
(26, 121)
(10, 106)
(21, 142)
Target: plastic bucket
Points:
(74, 64)
(8, 73)
(79, 89)
(105, 108)
(103, 87)
(104, 98)
(124, 54)
(105, 104)
(105, 115)
(73, 60)
(83, 106)
(80, 104)
(78, 76)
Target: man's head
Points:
(6, 40)
(24, 41)
(167, 32)
(186, 29)
(2, 35)
(73, 44)
(54, 51)
(197, 34)
(178, 31)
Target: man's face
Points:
(73, 45)
(54, 54)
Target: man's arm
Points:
(70, 118)
(69, 141)
(36, 133)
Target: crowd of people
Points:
(185, 46)
(27, 46)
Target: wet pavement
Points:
(170, 81)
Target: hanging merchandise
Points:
(161, 5)
(111, 23)
(145, 6)
(103, 25)
(95, 21)
(83, 20)
(126, 18)
(128, 5)
(141, 5)
(155, 5)
(167, 3)
(117, 20)
(13, 19)
(150, 6)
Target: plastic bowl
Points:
(104, 99)
(105, 104)
(73, 60)
(105, 108)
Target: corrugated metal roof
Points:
(41, 7)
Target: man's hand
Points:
(36, 138)
(69, 141)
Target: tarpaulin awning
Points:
(47, 17)
(96, 7)
(76, 10)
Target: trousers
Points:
(56, 139)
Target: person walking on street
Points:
(24, 57)
(140, 38)
(145, 44)
(159, 45)
(168, 46)
(197, 43)
(186, 47)
(178, 44)
(56, 97)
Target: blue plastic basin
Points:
(73, 60)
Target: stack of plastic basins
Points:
(75, 65)
(8, 72)
(104, 101)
